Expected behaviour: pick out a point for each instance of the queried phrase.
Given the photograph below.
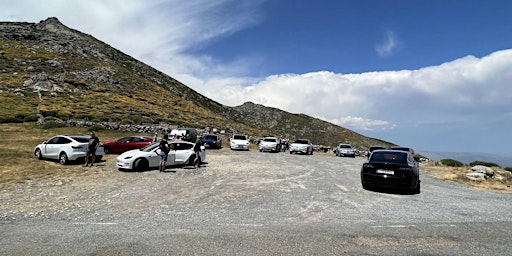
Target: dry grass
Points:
(17, 143)
(502, 180)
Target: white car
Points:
(344, 149)
(239, 142)
(303, 146)
(270, 144)
(66, 148)
(181, 153)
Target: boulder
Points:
(489, 172)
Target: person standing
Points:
(197, 151)
(94, 142)
(164, 151)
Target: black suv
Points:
(211, 141)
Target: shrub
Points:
(488, 164)
(508, 169)
(53, 124)
(452, 163)
(95, 128)
(31, 118)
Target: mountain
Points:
(50, 72)
(468, 157)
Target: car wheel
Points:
(191, 159)
(261, 150)
(141, 165)
(106, 150)
(38, 154)
(63, 158)
(417, 189)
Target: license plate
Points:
(389, 172)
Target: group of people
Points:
(165, 147)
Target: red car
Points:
(127, 143)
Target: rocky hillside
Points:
(51, 72)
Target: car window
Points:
(302, 142)
(150, 148)
(345, 146)
(239, 137)
(270, 140)
(63, 140)
(389, 157)
(182, 146)
(126, 139)
(81, 139)
(138, 139)
(210, 137)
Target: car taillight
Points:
(370, 166)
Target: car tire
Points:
(261, 150)
(141, 165)
(63, 158)
(38, 155)
(417, 189)
(106, 150)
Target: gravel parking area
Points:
(243, 203)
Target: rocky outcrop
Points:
(480, 173)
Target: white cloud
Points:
(467, 89)
(463, 93)
(388, 46)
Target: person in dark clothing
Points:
(94, 142)
(197, 151)
(164, 151)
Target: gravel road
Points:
(247, 203)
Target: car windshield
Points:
(301, 142)
(239, 137)
(150, 147)
(81, 139)
(345, 146)
(270, 139)
(389, 157)
(210, 137)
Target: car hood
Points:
(133, 152)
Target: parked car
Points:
(186, 134)
(372, 148)
(303, 146)
(211, 141)
(270, 144)
(126, 143)
(181, 153)
(416, 156)
(344, 149)
(239, 142)
(66, 148)
(391, 169)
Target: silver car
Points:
(303, 146)
(344, 149)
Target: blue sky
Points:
(432, 75)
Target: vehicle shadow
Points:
(393, 191)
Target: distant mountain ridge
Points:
(468, 157)
(51, 72)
